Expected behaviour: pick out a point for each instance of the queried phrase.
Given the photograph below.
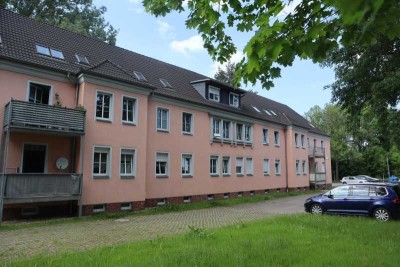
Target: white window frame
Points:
(277, 170)
(191, 164)
(102, 149)
(216, 134)
(302, 140)
(250, 133)
(229, 130)
(229, 165)
(216, 165)
(265, 136)
(297, 167)
(167, 168)
(241, 132)
(214, 91)
(266, 171)
(296, 140)
(242, 166)
(249, 166)
(232, 103)
(135, 110)
(111, 111)
(304, 167)
(28, 87)
(168, 119)
(191, 123)
(277, 138)
(127, 151)
(126, 206)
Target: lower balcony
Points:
(30, 188)
(319, 177)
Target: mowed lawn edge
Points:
(154, 211)
(289, 240)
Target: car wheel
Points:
(316, 209)
(344, 183)
(382, 214)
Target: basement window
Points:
(99, 208)
(226, 195)
(126, 206)
(187, 199)
(266, 192)
(161, 202)
(240, 194)
(252, 193)
(82, 59)
(30, 211)
(210, 197)
(140, 76)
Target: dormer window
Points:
(140, 76)
(213, 93)
(165, 83)
(234, 100)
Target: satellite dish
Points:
(62, 163)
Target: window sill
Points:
(297, 146)
(278, 174)
(103, 120)
(226, 175)
(214, 175)
(127, 177)
(101, 177)
(189, 134)
(250, 174)
(187, 176)
(128, 123)
(162, 131)
(277, 145)
(162, 176)
(239, 175)
(266, 174)
(266, 144)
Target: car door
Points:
(359, 199)
(336, 201)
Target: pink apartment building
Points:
(88, 127)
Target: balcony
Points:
(318, 177)
(27, 188)
(26, 116)
(316, 152)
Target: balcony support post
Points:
(82, 172)
(3, 173)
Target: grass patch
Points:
(295, 240)
(153, 211)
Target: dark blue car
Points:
(377, 200)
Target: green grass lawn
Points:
(158, 210)
(295, 240)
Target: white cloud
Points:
(135, 1)
(165, 30)
(192, 44)
(289, 8)
(136, 7)
(234, 59)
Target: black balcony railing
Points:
(31, 116)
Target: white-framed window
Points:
(277, 166)
(323, 169)
(234, 100)
(213, 93)
(129, 110)
(303, 167)
(316, 167)
(276, 138)
(187, 165)
(322, 144)
(266, 166)
(104, 106)
(247, 133)
(126, 206)
(99, 208)
(216, 128)
(226, 165)
(214, 165)
(239, 166)
(127, 167)
(298, 167)
(249, 166)
(162, 164)
(265, 137)
(296, 139)
(39, 93)
(101, 162)
(226, 129)
(187, 123)
(239, 132)
(162, 119)
(303, 143)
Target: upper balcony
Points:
(316, 152)
(27, 116)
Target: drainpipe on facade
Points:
(286, 159)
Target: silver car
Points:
(353, 180)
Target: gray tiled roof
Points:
(20, 35)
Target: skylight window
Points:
(312, 125)
(273, 112)
(56, 53)
(140, 76)
(256, 109)
(165, 83)
(42, 50)
(266, 111)
(82, 59)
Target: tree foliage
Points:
(226, 75)
(311, 31)
(80, 16)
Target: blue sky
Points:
(168, 40)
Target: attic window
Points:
(312, 125)
(56, 53)
(273, 112)
(266, 111)
(140, 76)
(0, 39)
(82, 59)
(42, 50)
(256, 109)
(165, 83)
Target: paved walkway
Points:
(22, 243)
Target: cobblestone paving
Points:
(23, 243)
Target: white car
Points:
(353, 180)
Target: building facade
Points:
(89, 127)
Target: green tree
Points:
(311, 31)
(226, 75)
(80, 16)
